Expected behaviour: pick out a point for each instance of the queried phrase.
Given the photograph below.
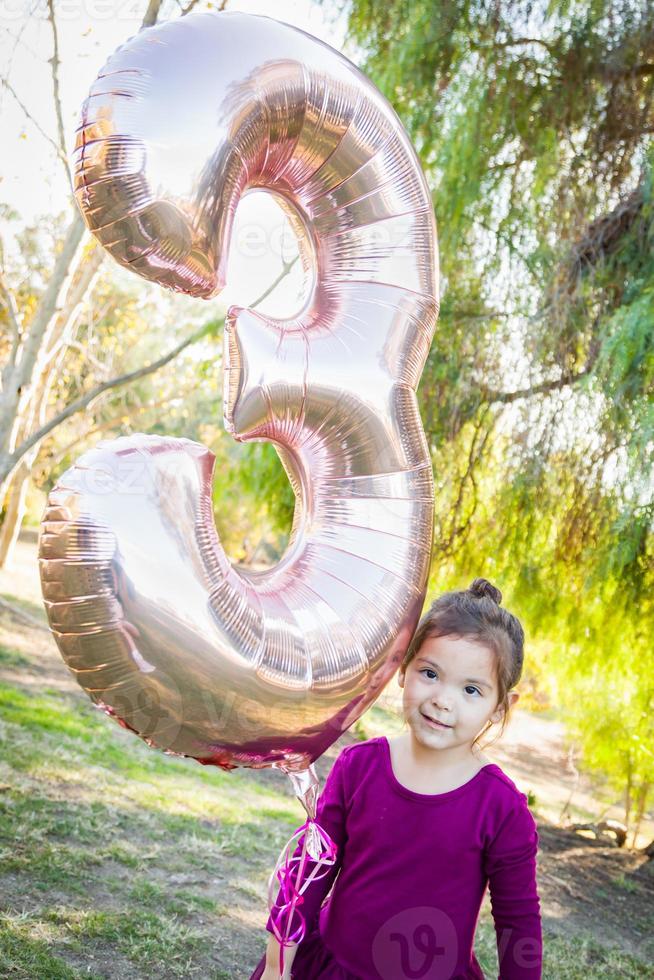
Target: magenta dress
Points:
(411, 875)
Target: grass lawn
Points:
(119, 861)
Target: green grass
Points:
(99, 834)
(117, 860)
(35, 609)
(145, 937)
(24, 958)
(563, 959)
(626, 884)
(12, 658)
(377, 721)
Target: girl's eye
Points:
(469, 687)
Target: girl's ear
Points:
(400, 677)
(512, 697)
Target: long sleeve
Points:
(330, 815)
(510, 863)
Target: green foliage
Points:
(533, 123)
(253, 500)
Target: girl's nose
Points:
(442, 700)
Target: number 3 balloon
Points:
(200, 657)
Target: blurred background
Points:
(534, 124)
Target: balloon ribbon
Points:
(291, 876)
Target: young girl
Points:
(423, 821)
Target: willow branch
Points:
(483, 431)
(506, 397)
(517, 42)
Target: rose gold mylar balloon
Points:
(199, 657)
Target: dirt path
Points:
(584, 885)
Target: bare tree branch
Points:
(85, 400)
(517, 42)
(286, 268)
(17, 38)
(605, 235)
(54, 62)
(91, 358)
(150, 18)
(82, 281)
(9, 303)
(17, 376)
(463, 315)
(566, 379)
(151, 14)
(18, 373)
(125, 413)
(7, 84)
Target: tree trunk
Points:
(31, 405)
(640, 810)
(14, 510)
(18, 373)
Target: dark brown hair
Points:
(475, 613)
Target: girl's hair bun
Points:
(482, 588)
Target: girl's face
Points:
(451, 679)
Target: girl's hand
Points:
(272, 973)
(271, 970)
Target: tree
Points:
(39, 326)
(534, 124)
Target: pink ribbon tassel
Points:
(290, 875)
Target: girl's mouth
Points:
(434, 723)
